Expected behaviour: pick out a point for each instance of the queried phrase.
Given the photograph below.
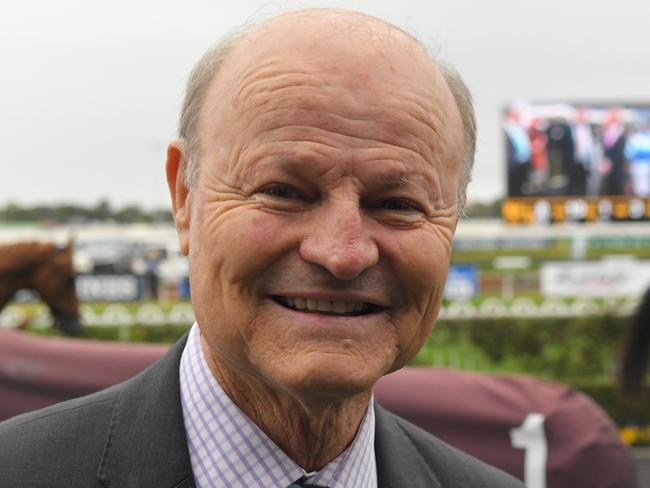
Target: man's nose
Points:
(339, 241)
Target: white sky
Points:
(90, 90)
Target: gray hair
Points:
(465, 104)
(211, 62)
(196, 91)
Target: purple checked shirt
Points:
(228, 450)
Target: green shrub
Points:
(624, 411)
(167, 334)
(559, 349)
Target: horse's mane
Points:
(14, 257)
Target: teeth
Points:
(300, 303)
(324, 305)
(335, 306)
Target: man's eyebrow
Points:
(394, 181)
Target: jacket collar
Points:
(398, 461)
(146, 442)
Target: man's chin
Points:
(326, 379)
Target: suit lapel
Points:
(146, 443)
(398, 461)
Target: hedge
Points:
(565, 350)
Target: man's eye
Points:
(398, 205)
(281, 191)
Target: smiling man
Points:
(316, 186)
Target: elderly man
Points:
(316, 186)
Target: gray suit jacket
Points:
(132, 435)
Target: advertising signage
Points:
(595, 279)
(576, 162)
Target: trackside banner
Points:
(596, 279)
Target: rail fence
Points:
(153, 314)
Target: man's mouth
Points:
(328, 307)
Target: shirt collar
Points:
(228, 448)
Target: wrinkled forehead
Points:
(360, 69)
(347, 50)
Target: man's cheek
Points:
(254, 233)
(262, 228)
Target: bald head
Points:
(322, 26)
(331, 41)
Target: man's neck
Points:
(311, 431)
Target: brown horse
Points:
(46, 269)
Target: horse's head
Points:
(55, 281)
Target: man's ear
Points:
(180, 193)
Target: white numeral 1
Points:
(531, 436)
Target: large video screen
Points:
(576, 162)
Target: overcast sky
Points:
(90, 91)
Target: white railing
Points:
(152, 314)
